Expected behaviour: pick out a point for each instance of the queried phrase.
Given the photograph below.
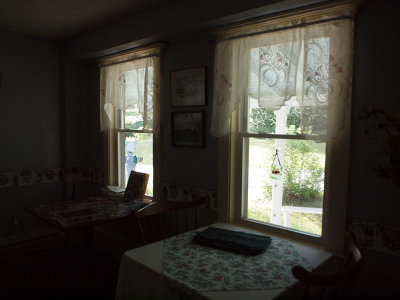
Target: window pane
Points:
(138, 102)
(133, 119)
(285, 188)
(137, 155)
(311, 120)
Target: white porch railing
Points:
(287, 210)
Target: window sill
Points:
(287, 234)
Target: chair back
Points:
(162, 219)
(317, 282)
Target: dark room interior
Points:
(49, 124)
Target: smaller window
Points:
(129, 97)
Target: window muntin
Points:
(284, 152)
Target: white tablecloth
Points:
(140, 274)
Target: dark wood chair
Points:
(335, 284)
(162, 219)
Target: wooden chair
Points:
(315, 283)
(162, 219)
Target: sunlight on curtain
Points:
(311, 65)
(132, 84)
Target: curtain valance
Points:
(129, 81)
(310, 65)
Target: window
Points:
(281, 111)
(283, 173)
(129, 115)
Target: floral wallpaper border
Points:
(180, 192)
(37, 176)
(174, 191)
(376, 236)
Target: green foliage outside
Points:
(303, 169)
(313, 120)
(263, 121)
(303, 175)
(303, 172)
(133, 121)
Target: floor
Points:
(68, 273)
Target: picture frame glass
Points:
(188, 87)
(188, 129)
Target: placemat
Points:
(235, 241)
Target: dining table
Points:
(85, 212)
(76, 218)
(178, 268)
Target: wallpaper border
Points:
(376, 236)
(38, 176)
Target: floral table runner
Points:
(205, 269)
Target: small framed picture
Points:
(188, 87)
(188, 129)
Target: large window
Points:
(283, 173)
(129, 115)
(283, 138)
(281, 107)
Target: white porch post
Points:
(277, 188)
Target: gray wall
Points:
(188, 166)
(30, 103)
(176, 17)
(375, 81)
(29, 119)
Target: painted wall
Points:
(170, 19)
(29, 119)
(82, 144)
(188, 166)
(372, 198)
(375, 81)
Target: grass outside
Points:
(306, 222)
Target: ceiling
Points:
(62, 19)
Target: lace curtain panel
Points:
(306, 67)
(130, 85)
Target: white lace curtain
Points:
(311, 65)
(130, 84)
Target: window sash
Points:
(240, 174)
(283, 136)
(121, 154)
(245, 145)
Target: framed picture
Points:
(188, 129)
(188, 87)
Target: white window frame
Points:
(230, 168)
(242, 177)
(114, 164)
(122, 181)
(230, 188)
